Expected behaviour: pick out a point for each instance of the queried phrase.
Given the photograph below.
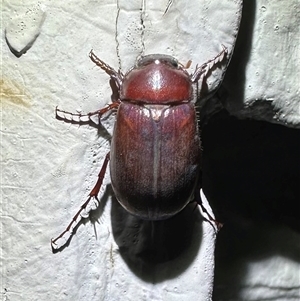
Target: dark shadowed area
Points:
(251, 177)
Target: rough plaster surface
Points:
(262, 81)
(49, 167)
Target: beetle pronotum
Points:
(155, 148)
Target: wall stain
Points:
(13, 93)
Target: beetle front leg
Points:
(207, 66)
(116, 76)
(93, 195)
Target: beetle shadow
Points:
(144, 245)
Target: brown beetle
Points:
(155, 148)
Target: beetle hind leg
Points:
(67, 233)
(210, 219)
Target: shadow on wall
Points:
(251, 176)
(151, 246)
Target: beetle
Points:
(155, 149)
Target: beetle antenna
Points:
(187, 65)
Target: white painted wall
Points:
(49, 167)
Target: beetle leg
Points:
(81, 119)
(210, 218)
(116, 76)
(93, 195)
(207, 66)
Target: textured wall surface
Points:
(48, 167)
(251, 164)
(262, 81)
